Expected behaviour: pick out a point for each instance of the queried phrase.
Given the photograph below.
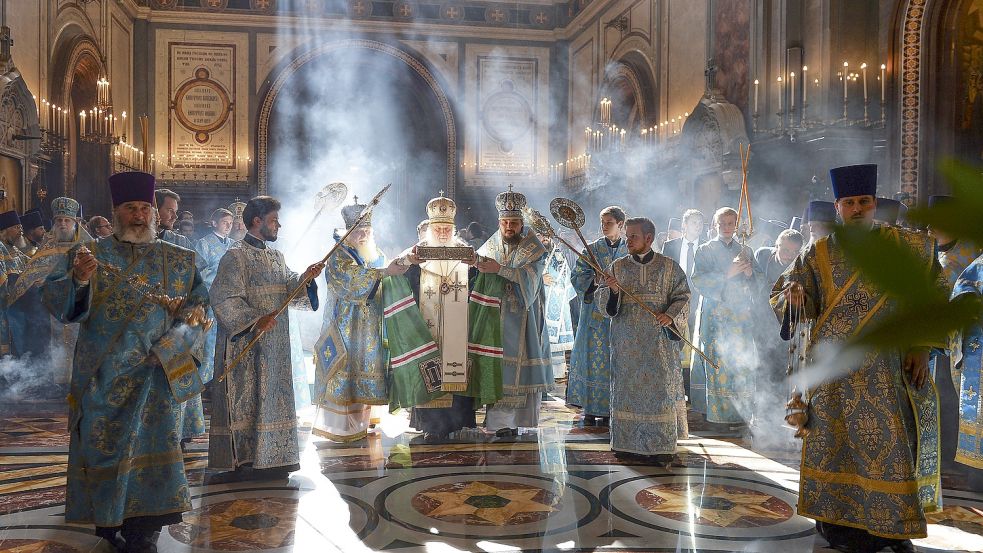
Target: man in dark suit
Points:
(682, 250)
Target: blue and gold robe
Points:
(526, 368)
(210, 250)
(589, 380)
(726, 333)
(253, 415)
(124, 456)
(28, 321)
(63, 337)
(871, 460)
(969, 365)
(6, 340)
(558, 321)
(193, 423)
(349, 360)
(648, 404)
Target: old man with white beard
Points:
(349, 358)
(428, 327)
(65, 234)
(135, 363)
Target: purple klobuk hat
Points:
(853, 180)
(132, 186)
(9, 219)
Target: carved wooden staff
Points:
(303, 283)
(540, 224)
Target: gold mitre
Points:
(237, 207)
(441, 210)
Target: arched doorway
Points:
(956, 121)
(364, 113)
(75, 70)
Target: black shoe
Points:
(626, 456)
(507, 432)
(590, 420)
(604, 422)
(435, 437)
(140, 542)
(111, 535)
(902, 546)
(663, 460)
(275, 473)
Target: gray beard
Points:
(68, 236)
(138, 235)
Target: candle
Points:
(883, 81)
(805, 85)
(755, 96)
(791, 86)
(846, 79)
(863, 69)
(82, 122)
(780, 94)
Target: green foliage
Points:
(924, 313)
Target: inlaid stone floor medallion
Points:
(716, 505)
(485, 503)
(239, 524)
(35, 546)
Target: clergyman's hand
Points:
(795, 295)
(313, 271)
(84, 266)
(394, 268)
(664, 320)
(489, 265)
(548, 279)
(612, 283)
(737, 267)
(266, 323)
(916, 363)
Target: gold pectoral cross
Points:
(456, 287)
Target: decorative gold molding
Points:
(911, 54)
(410, 29)
(284, 75)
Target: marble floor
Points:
(556, 489)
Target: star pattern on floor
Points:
(714, 505)
(239, 524)
(489, 503)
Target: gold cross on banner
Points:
(457, 286)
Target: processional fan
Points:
(329, 197)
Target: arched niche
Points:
(76, 68)
(362, 112)
(629, 84)
(952, 90)
(18, 153)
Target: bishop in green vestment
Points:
(518, 258)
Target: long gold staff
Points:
(543, 226)
(303, 283)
